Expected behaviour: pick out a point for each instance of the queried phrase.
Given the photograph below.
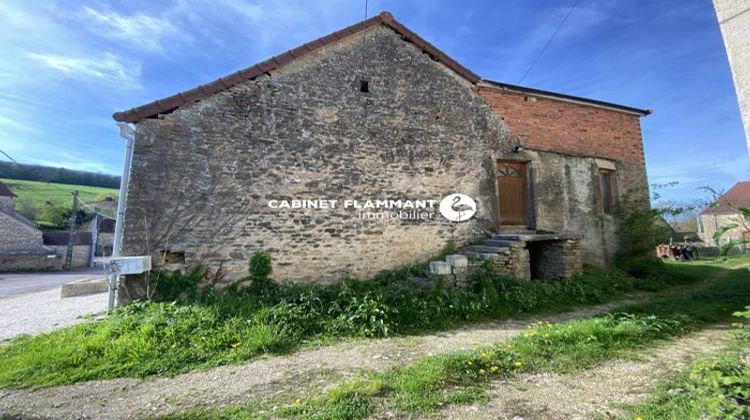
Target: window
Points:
(173, 257)
(364, 86)
(607, 191)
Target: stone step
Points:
(514, 229)
(506, 237)
(501, 243)
(485, 249)
(481, 256)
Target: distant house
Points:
(105, 235)
(724, 212)
(21, 242)
(82, 242)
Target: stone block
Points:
(440, 268)
(457, 260)
(84, 287)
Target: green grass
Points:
(733, 261)
(717, 387)
(463, 377)
(165, 339)
(39, 193)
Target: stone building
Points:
(371, 112)
(105, 236)
(21, 245)
(82, 242)
(734, 21)
(724, 212)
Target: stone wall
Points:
(16, 235)
(104, 243)
(552, 260)
(30, 260)
(81, 254)
(564, 198)
(202, 176)
(709, 223)
(514, 262)
(7, 203)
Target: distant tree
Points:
(681, 214)
(28, 208)
(58, 175)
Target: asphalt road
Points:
(12, 284)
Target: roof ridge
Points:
(737, 196)
(385, 18)
(564, 96)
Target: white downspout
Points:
(128, 133)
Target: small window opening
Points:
(174, 257)
(364, 86)
(607, 191)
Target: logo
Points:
(458, 207)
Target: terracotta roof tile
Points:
(737, 196)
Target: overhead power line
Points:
(562, 22)
(9, 157)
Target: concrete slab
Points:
(83, 287)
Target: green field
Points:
(34, 196)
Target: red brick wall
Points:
(564, 127)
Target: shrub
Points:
(260, 266)
(175, 286)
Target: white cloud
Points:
(142, 30)
(252, 11)
(107, 68)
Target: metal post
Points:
(128, 133)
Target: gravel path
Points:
(35, 313)
(592, 392)
(261, 379)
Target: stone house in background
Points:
(21, 244)
(105, 237)
(372, 111)
(723, 213)
(82, 242)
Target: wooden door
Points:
(511, 193)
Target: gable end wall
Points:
(568, 128)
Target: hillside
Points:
(36, 199)
(12, 170)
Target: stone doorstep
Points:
(85, 286)
(499, 243)
(535, 237)
(486, 249)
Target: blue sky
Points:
(66, 66)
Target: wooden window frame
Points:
(607, 199)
